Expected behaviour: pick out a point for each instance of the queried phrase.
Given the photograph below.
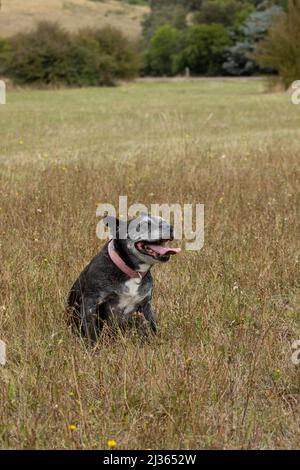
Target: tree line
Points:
(199, 37)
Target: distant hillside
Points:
(22, 15)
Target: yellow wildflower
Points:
(111, 444)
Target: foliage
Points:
(238, 57)
(204, 49)
(130, 2)
(51, 56)
(280, 48)
(136, 2)
(4, 51)
(229, 31)
(207, 36)
(111, 54)
(258, 22)
(226, 12)
(164, 47)
(238, 61)
(164, 13)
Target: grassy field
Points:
(20, 15)
(219, 374)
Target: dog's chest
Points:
(131, 296)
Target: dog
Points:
(117, 283)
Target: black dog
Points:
(117, 282)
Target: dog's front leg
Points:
(149, 314)
(88, 312)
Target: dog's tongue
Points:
(164, 250)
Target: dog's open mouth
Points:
(157, 249)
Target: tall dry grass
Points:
(219, 374)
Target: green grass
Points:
(224, 116)
(219, 374)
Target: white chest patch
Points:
(130, 296)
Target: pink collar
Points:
(117, 260)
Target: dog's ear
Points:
(115, 226)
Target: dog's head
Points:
(144, 239)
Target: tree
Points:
(238, 57)
(164, 12)
(280, 48)
(238, 61)
(257, 24)
(164, 46)
(204, 49)
(226, 12)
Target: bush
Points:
(104, 55)
(51, 56)
(41, 56)
(4, 52)
(204, 49)
(280, 48)
(164, 46)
